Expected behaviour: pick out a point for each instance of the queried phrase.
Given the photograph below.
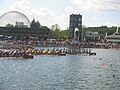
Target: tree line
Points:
(102, 30)
(57, 33)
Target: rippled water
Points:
(70, 72)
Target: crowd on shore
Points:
(57, 43)
(20, 48)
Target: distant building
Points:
(42, 33)
(91, 36)
(76, 27)
(115, 37)
(20, 25)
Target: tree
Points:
(83, 26)
(64, 34)
(38, 24)
(35, 24)
(55, 27)
(9, 25)
(102, 30)
(57, 33)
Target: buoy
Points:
(102, 65)
(100, 58)
(111, 64)
(113, 75)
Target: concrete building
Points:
(75, 27)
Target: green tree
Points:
(64, 34)
(38, 24)
(57, 33)
(102, 30)
(55, 27)
(35, 24)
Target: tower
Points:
(75, 26)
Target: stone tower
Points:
(75, 27)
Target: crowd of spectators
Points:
(61, 43)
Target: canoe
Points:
(27, 56)
(92, 53)
(18, 56)
(62, 54)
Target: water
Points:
(70, 72)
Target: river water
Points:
(70, 72)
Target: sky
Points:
(49, 12)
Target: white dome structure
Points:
(12, 17)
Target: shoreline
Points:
(31, 44)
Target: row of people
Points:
(31, 51)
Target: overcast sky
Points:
(49, 12)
